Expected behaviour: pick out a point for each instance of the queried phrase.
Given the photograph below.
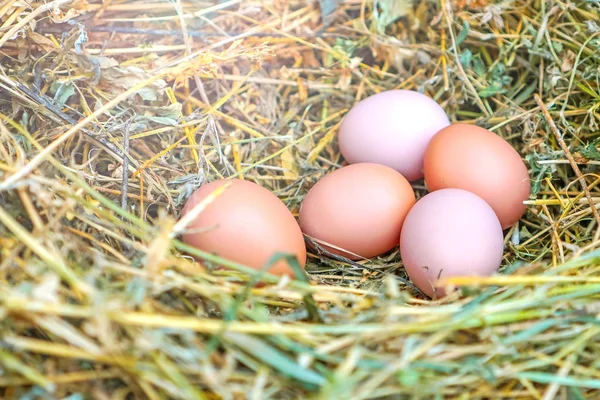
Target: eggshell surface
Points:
(448, 233)
(391, 128)
(358, 210)
(247, 224)
(472, 158)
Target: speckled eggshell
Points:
(391, 128)
(247, 224)
(357, 211)
(472, 158)
(449, 233)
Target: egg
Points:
(391, 128)
(468, 157)
(357, 211)
(247, 224)
(449, 233)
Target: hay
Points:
(113, 113)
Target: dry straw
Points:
(112, 113)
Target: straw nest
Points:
(113, 112)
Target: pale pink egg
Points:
(391, 128)
(449, 233)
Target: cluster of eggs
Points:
(477, 184)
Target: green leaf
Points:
(168, 115)
(391, 10)
(347, 47)
(538, 171)
(557, 46)
(462, 35)
(328, 7)
(525, 94)
(75, 396)
(478, 65)
(543, 377)
(148, 94)
(530, 332)
(62, 92)
(591, 152)
(162, 120)
(493, 89)
(274, 358)
(446, 367)
(575, 394)
(171, 111)
(408, 377)
(465, 58)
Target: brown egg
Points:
(471, 158)
(247, 224)
(357, 211)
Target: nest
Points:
(112, 113)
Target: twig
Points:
(545, 162)
(552, 390)
(125, 183)
(188, 49)
(194, 33)
(555, 236)
(574, 165)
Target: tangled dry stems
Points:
(113, 113)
